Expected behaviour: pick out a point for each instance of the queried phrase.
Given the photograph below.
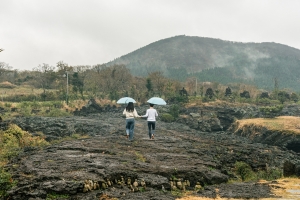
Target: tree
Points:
(264, 95)
(191, 85)
(245, 94)
(45, 76)
(149, 87)
(5, 71)
(77, 83)
(201, 90)
(228, 92)
(276, 88)
(169, 92)
(158, 81)
(209, 93)
(294, 97)
(98, 68)
(283, 96)
(112, 81)
(63, 67)
(80, 74)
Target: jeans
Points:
(151, 124)
(130, 127)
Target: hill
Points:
(217, 60)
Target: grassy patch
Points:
(282, 123)
(140, 157)
(166, 117)
(245, 173)
(12, 141)
(53, 196)
(6, 182)
(178, 193)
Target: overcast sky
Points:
(90, 32)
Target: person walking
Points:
(151, 115)
(130, 114)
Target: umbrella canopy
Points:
(157, 101)
(125, 100)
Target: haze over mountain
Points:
(217, 60)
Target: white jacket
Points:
(151, 114)
(130, 114)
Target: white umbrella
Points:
(125, 100)
(157, 101)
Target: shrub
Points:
(264, 101)
(207, 99)
(269, 175)
(6, 182)
(57, 104)
(14, 138)
(244, 170)
(21, 138)
(57, 113)
(174, 110)
(24, 104)
(26, 111)
(48, 96)
(294, 97)
(245, 100)
(271, 111)
(166, 117)
(7, 105)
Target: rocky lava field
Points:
(105, 165)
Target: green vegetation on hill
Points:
(163, 69)
(216, 60)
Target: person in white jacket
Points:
(130, 114)
(151, 115)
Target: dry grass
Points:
(20, 91)
(7, 85)
(287, 123)
(286, 188)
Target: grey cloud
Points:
(94, 32)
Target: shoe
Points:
(152, 137)
(127, 136)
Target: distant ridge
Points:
(217, 60)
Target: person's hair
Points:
(151, 105)
(130, 107)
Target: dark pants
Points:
(130, 128)
(151, 125)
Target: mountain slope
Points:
(216, 60)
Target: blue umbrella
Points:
(125, 100)
(157, 101)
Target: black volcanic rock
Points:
(179, 151)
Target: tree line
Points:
(81, 82)
(65, 82)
